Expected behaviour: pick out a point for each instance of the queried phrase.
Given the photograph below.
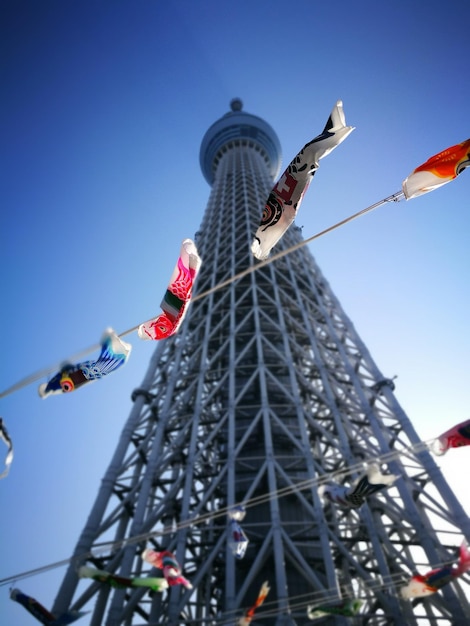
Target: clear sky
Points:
(103, 109)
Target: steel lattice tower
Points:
(265, 390)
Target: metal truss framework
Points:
(266, 391)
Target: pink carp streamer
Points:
(166, 561)
(177, 296)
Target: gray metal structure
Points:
(265, 393)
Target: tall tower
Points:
(265, 393)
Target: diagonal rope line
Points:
(396, 197)
(28, 380)
(110, 546)
(324, 597)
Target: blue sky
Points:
(103, 110)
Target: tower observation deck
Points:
(236, 129)
(265, 393)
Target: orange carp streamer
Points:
(438, 170)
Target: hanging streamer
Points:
(420, 586)
(354, 497)
(238, 541)
(347, 608)
(166, 561)
(114, 353)
(286, 196)
(438, 170)
(177, 297)
(9, 456)
(455, 437)
(120, 582)
(41, 613)
(249, 613)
